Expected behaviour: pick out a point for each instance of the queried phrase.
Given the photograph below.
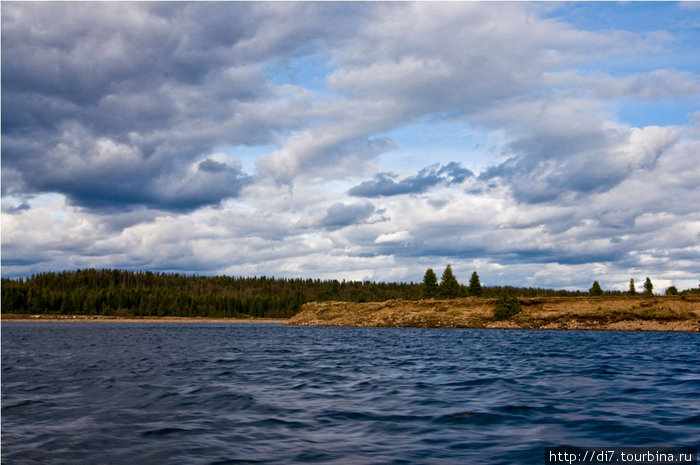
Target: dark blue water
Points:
(87, 393)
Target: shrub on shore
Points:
(506, 307)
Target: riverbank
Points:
(620, 313)
(116, 319)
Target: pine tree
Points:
(475, 288)
(648, 287)
(430, 284)
(633, 290)
(449, 287)
(595, 289)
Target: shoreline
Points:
(21, 318)
(633, 313)
(625, 313)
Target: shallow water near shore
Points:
(122, 393)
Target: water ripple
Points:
(224, 394)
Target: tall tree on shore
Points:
(449, 287)
(632, 290)
(475, 288)
(595, 289)
(648, 287)
(430, 284)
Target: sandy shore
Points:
(640, 313)
(113, 319)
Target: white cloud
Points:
(654, 85)
(121, 164)
(398, 236)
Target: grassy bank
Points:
(639, 313)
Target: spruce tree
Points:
(430, 284)
(595, 289)
(449, 287)
(648, 287)
(475, 288)
(633, 290)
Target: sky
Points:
(539, 144)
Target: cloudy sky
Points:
(541, 144)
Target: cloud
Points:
(654, 85)
(569, 146)
(126, 128)
(327, 153)
(164, 84)
(103, 173)
(172, 82)
(340, 215)
(398, 236)
(384, 185)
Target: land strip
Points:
(115, 319)
(619, 313)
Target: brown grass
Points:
(639, 313)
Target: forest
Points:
(145, 293)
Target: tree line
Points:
(450, 288)
(632, 289)
(129, 293)
(136, 293)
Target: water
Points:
(119, 393)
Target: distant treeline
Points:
(128, 293)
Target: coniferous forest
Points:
(138, 294)
(128, 293)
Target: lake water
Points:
(157, 393)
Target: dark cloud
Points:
(171, 191)
(165, 82)
(17, 208)
(385, 185)
(212, 166)
(20, 262)
(341, 215)
(102, 174)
